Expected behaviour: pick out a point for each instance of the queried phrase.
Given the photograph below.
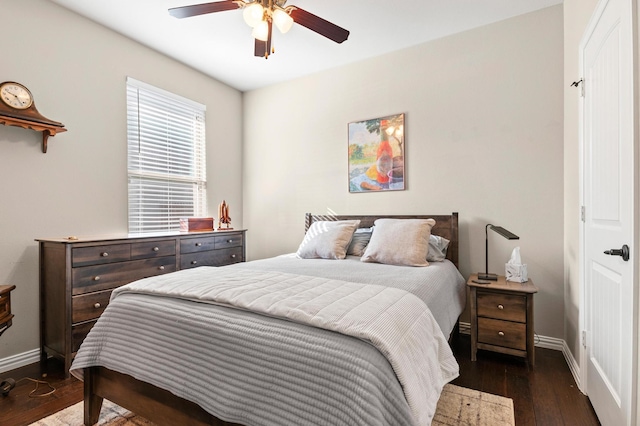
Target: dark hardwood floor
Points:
(545, 395)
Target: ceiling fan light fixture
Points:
(261, 31)
(253, 14)
(282, 19)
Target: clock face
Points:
(15, 95)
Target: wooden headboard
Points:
(446, 226)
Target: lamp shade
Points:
(283, 21)
(261, 31)
(253, 14)
(507, 234)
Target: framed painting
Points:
(376, 154)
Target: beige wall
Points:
(77, 70)
(576, 18)
(484, 137)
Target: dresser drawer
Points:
(89, 306)
(211, 258)
(88, 279)
(502, 306)
(194, 245)
(153, 249)
(78, 333)
(502, 333)
(100, 254)
(227, 241)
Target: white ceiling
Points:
(220, 44)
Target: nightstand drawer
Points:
(508, 307)
(502, 333)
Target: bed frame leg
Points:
(92, 402)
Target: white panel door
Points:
(608, 194)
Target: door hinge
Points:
(582, 213)
(584, 338)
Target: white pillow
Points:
(359, 241)
(327, 239)
(437, 248)
(399, 242)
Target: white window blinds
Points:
(166, 158)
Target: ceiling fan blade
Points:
(201, 9)
(319, 25)
(263, 48)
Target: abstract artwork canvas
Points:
(376, 154)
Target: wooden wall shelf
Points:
(46, 129)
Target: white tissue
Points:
(515, 257)
(515, 270)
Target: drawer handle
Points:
(161, 268)
(96, 278)
(500, 333)
(104, 254)
(229, 241)
(193, 262)
(156, 249)
(233, 256)
(97, 305)
(198, 244)
(500, 307)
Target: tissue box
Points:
(516, 272)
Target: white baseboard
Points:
(573, 366)
(19, 360)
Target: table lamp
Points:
(501, 231)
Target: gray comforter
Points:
(259, 370)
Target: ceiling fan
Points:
(262, 14)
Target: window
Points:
(166, 158)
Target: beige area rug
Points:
(467, 407)
(457, 407)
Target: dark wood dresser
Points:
(77, 276)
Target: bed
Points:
(174, 353)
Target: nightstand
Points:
(502, 317)
(6, 316)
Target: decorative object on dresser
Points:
(6, 319)
(502, 317)
(500, 231)
(376, 154)
(191, 224)
(77, 276)
(17, 108)
(223, 217)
